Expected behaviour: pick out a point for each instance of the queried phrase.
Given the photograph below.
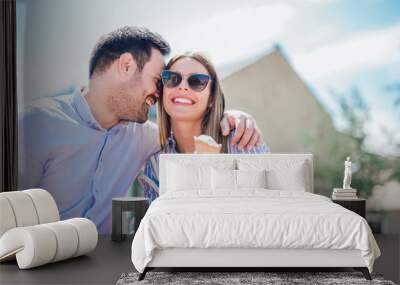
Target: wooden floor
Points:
(110, 260)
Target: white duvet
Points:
(250, 218)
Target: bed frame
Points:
(242, 259)
(246, 258)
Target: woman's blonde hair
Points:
(210, 124)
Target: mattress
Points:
(250, 219)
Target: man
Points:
(87, 147)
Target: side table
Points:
(355, 205)
(137, 205)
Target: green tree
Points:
(370, 169)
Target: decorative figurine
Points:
(347, 174)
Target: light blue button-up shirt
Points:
(63, 149)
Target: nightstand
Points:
(356, 205)
(137, 205)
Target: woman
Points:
(191, 103)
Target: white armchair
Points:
(31, 230)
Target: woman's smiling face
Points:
(181, 102)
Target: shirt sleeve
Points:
(263, 148)
(31, 159)
(150, 139)
(149, 178)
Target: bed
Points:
(258, 210)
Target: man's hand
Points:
(247, 133)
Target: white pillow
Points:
(229, 179)
(289, 179)
(223, 179)
(251, 178)
(186, 177)
(281, 174)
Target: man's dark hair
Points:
(137, 41)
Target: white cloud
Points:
(234, 33)
(363, 51)
(382, 128)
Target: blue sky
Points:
(361, 15)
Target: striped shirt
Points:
(148, 178)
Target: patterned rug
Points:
(230, 278)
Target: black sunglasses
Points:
(197, 82)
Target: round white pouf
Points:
(33, 246)
(87, 233)
(7, 218)
(23, 208)
(46, 207)
(40, 244)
